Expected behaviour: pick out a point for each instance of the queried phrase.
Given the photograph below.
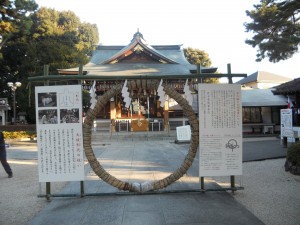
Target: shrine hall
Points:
(140, 64)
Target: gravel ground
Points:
(270, 193)
(18, 195)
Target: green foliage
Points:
(196, 56)
(61, 40)
(19, 134)
(86, 100)
(199, 57)
(14, 19)
(58, 39)
(276, 29)
(293, 153)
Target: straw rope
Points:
(146, 186)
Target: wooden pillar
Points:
(229, 73)
(166, 115)
(118, 110)
(46, 74)
(80, 73)
(113, 113)
(297, 106)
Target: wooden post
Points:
(46, 73)
(202, 183)
(199, 72)
(232, 178)
(166, 115)
(284, 142)
(81, 189)
(232, 183)
(229, 73)
(113, 113)
(48, 190)
(80, 73)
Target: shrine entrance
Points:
(146, 186)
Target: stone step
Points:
(132, 136)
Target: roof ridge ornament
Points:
(138, 35)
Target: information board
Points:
(183, 133)
(286, 118)
(59, 133)
(220, 122)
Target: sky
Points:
(215, 26)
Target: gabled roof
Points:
(264, 77)
(290, 87)
(173, 52)
(120, 60)
(138, 45)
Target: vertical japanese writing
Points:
(50, 151)
(41, 151)
(73, 142)
(220, 148)
(78, 149)
(55, 153)
(46, 168)
(64, 156)
(59, 146)
(68, 150)
(220, 108)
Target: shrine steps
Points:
(133, 136)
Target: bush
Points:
(19, 134)
(293, 154)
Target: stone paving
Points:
(139, 161)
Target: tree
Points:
(196, 56)
(14, 18)
(61, 40)
(55, 38)
(199, 57)
(276, 29)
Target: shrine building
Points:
(140, 64)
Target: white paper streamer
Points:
(161, 94)
(188, 93)
(136, 187)
(93, 100)
(125, 95)
(147, 186)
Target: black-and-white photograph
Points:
(47, 99)
(48, 116)
(69, 115)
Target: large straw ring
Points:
(146, 186)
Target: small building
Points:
(4, 107)
(262, 80)
(261, 110)
(291, 89)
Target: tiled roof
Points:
(173, 55)
(290, 87)
(123, 69)
(138, 44)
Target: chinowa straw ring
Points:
(146, 186)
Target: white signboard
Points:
(183, 133)
(59, 133)
(286, 123)
(220, 120)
